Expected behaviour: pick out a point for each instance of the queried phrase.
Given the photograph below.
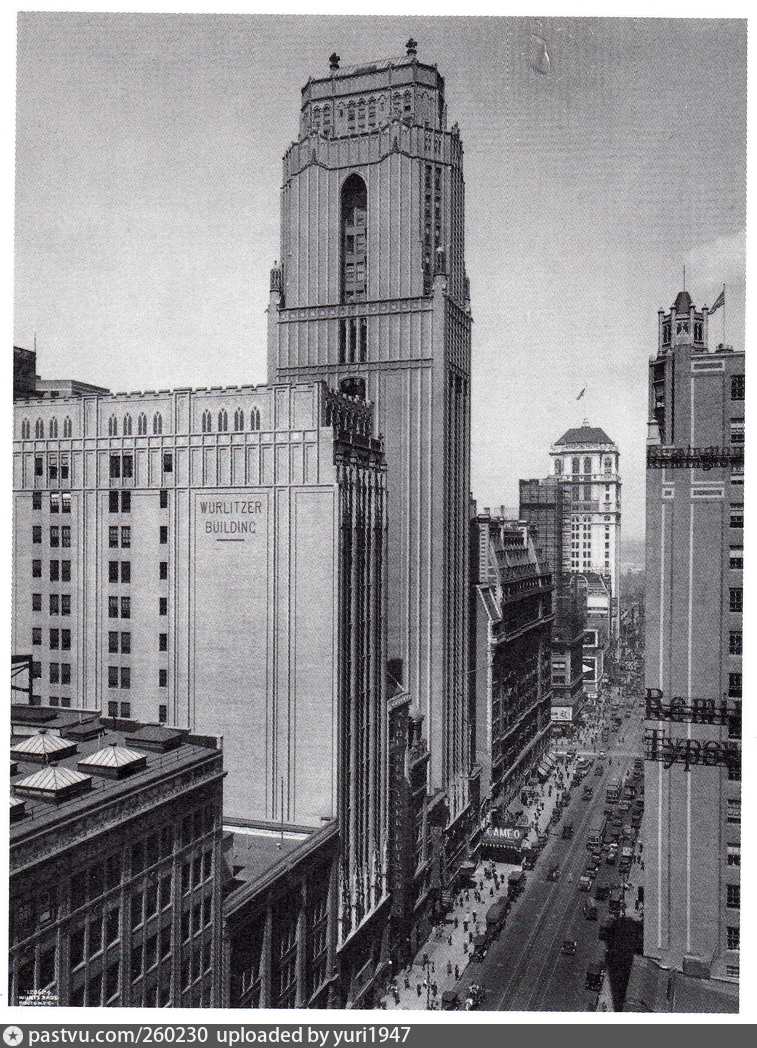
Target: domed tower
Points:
(588, 461)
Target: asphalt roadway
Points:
(524, 969)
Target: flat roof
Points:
(42, 811)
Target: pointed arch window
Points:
(354, 239)
(207, 422)
(66, 426)
(53, 429)
(127, 425)
(112, 426)
(26, 429)
(142, 425)
(255, 419)
(39, 429)
(223, 421)
(587, 465)
(575, 466)
(157, 423)
(558, 466)
(239, 420)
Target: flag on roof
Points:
(719, 301)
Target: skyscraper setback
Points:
(371, 296)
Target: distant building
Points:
(214, 560)
(694, 643)
(27, 384)
(587, 460)
(598, 633)
(371, 295)
(546, 506)
(24, 372)
(511, 626)
(115, 863)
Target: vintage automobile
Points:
(569, 947)
(554, 873)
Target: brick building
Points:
(115, 863)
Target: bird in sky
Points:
(581, 393)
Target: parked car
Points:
(590, 910)
(569, 947)
(601, 893)
(598, 770)
(584, 882)
(554, 873)
(450, 1001)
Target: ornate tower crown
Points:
(684, 325)
(358, 100)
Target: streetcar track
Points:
(520, 968)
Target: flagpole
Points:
(723, 314)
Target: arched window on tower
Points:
(587, 465)
(558, 467)
(223, 421)
(575, 466)
(39, 429)
(354, 239)
(142, 425)
(112, 426)
(26, 429)
(239, 420)
(608, 465)
(207, 422)
(67, 427)
(255, 419)
(127, 425)
(53, 428)
(157, 423)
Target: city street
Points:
(525, 969)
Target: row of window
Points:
(60, 535)
(60, 604)
(575, 465)
(52, 471)
(126, 425)
(58, 638)
(120, 676)
(39, 429)
(736, 599)
(60, 570)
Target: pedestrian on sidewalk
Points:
(449, 940)
(457, 973)
(456, 923)
(407, 982)
(418, 988)
(449, 963)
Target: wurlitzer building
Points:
(214, 560)
(371, 296)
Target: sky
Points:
(148, 171)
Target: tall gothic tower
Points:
(371, 296)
